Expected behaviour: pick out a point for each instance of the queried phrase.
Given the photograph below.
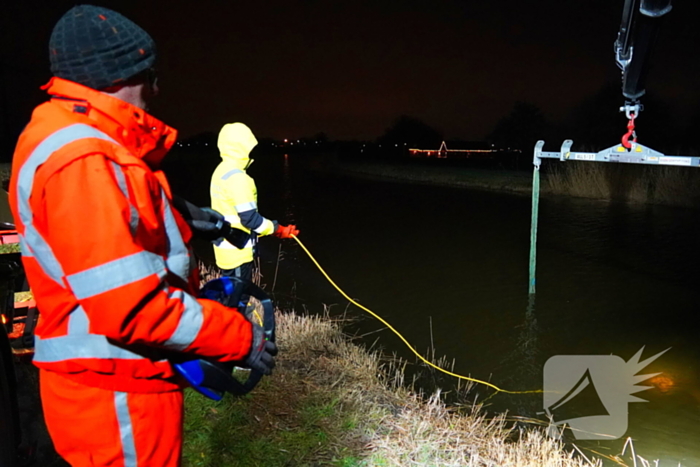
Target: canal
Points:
(448, 268)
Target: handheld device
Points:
(214, 379)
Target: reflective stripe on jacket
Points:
(234, 195)
(105, 254)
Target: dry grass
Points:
(5, 171)
(399, 426)
(679, 186)
(332, 402)
(207, 272)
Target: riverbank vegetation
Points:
(663, 185)
(332, 402)
(507, 181)
(678, 186)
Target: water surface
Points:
(449, 269)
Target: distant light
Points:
(285, 140)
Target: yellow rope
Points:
(426, 361)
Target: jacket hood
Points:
(235, 142)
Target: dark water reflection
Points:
(448, 268)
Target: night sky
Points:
(349, 68)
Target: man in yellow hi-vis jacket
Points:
(233, 194)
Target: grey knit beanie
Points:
(98, 47)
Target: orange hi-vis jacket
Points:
(105, 253)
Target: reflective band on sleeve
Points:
(246, 206)
(33, 241)
(79, 343)
(231, 172)
(126, 430)
(264, 225)
(115, 274)
(24, 247)
(178, 260)
(43, 254)
(227, 246)
(190, 322)
(121, 181)
(232, 219)
(78, 322)
(58, 349)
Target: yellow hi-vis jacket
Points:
(233, 194)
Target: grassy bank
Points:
(330, 402)
(462, 177)
(677, 186)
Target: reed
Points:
(678, 186)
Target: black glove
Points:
(262, 352)
(204, 222)
(209, 224)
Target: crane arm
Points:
(635, 40)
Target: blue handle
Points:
(214, 379)
(193, 372)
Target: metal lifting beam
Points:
(637, 154)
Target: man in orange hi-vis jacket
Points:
(107, 255)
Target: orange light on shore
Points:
(663, 383)
(3, 318)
